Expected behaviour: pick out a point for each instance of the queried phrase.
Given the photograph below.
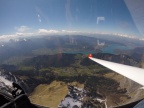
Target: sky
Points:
(55, 16)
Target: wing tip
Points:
(90, 56)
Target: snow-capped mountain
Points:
(82, 98)
(6, 80)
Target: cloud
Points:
(16, 35)
(22, 29)
(70, 32)
(39, 32)
(45, 31)
(100, 19)
(58, 32)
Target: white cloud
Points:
(59, 32)
(45, 31)
(71, 32)
(100, 19)
(24, 34)
(16, 35)
(40, 32)
(22, 29)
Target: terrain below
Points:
(127, 91)
(50, 95)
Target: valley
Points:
(48, 65)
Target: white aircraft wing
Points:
(133, 73)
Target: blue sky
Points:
(110, 16)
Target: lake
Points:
(111, 48)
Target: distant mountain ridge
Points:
(49, 45)
(137, 53)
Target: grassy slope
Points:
(50, 94)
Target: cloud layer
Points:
(24, 31)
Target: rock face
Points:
(82, 98)
(6, 80)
